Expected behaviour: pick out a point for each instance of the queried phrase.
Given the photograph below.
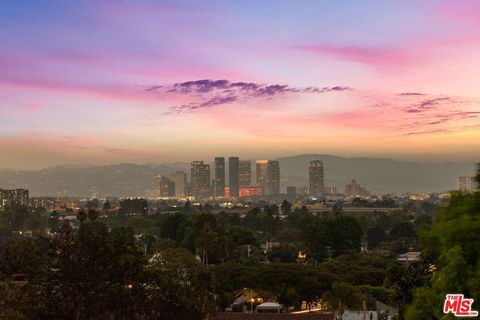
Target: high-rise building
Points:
(464, 184)
(353, 189)
(273, 178)
(245, 173)
(268, 176)
(316, 177)
(180, 180)
(233, 176)
(164, 186)
(219, 179)
(262, 173)
(200, 179)
(14, 197)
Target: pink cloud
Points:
(32, 106)
(378, 56)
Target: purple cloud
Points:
(429, 114)
(431, 103)
(207, 104)
(411, 94)
(219, 92)
(427, 132)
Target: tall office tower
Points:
(164, 186)
(200, 179)
(180, 180)
(316, 177)
(219, 180)
(233, 176)
(245, 173)
(262, 174)
(273, 178)
(464, 184)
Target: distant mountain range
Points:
(376, 174)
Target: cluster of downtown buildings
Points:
(230, 178)
(241, 182)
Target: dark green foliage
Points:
(343, 296)
(286, 207)
(97, 274)
(402, 230)
(327, 237)
(452, 244)
(289, 297)
(308, 281)
(375, 236)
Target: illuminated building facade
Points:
(200, 179)
(245, 173)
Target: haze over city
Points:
(148, 81)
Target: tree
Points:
(327, 237)
(423, 220)
(402, 230)
(304, 210)
(107, 205)
(341, 297)
(187, 207)
(286, 207)
(92, 214)
(15, 216)
(34, 222)
(375, 236)
(289, 297)
(477, 176)
(81, 216)
(452, 244)
(97, 274)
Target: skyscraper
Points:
(219, 180)
(180, 180)
(464, 184)
(165, 187)
(233, 176)
(273, 178)
(200, 179)
(262, 173)
(245, 173)
(316, 177)
(268, 176)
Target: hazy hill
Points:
(113, 180)
(377, 175)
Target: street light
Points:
(251, 299)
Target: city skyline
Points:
(186, 80)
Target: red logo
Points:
(459, 306)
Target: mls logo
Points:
(459, 306)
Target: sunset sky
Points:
(158, 81)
